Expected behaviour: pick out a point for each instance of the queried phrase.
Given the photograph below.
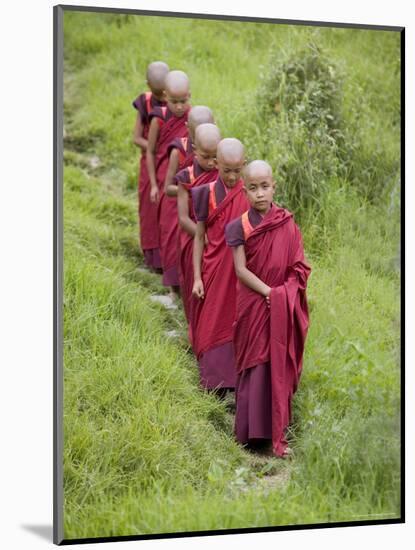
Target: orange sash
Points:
(246, 225)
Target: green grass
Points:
(145, 450)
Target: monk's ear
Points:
(244, 189)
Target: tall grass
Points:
(146, 451)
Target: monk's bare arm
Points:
(185, 222)
(151, 158)
(244, 275)
(138, 134)
(198, 246)
(170, 188)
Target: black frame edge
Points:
(188, 534)
(57, 274)
(241, 18)
(402, 266)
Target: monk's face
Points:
(230, 170)
(178, 103)
(259, 190)
(206, 157)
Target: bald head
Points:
(258, 169)
(230, 160)
(199, 115)
(207, 136)
(177, 83)
(230, 150)
(259, 185)
(156, 75)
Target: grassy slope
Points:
(145, 449)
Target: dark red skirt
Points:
(253, 404)
(217, 367)
(171, 276)
(152, 258)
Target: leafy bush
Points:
(309, 137)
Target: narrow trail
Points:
(264, 473)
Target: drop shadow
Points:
(42, 531)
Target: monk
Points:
(202, 170)
(215, 204)
(271, 313)
(182, 149)
(181, 152)
(167, 123)
(147, 211)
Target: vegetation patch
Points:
(145, 449)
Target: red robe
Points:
(213, 316)
(171, 127)
(274, 253)
(188, 180)
(168, 216)
(147, 211)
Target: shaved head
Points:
(230, 150)
(199, 115)
(259, 185)
(258, 169)
(177, 83)
(207, 136)
(156, 75)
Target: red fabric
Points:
(185, 250)
(184, 147)
(274, 253)
(172, 127)
(213, 316)
(147, 211)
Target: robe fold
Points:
(168, 215)
(147, 211)
(184, 147)
(189, 178)
(171, 128)
(213, 316)
(275, 335)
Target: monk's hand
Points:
(267, 298)
(154, 194)
(206, 239)
(198, 289)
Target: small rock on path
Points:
(164, 300)
(94, 162)
(172, 333)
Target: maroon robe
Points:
(272, 336)
(213, 316)
(189, 178)
(168, 216)
(147, 211)
(185, 148)
(171, 127)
